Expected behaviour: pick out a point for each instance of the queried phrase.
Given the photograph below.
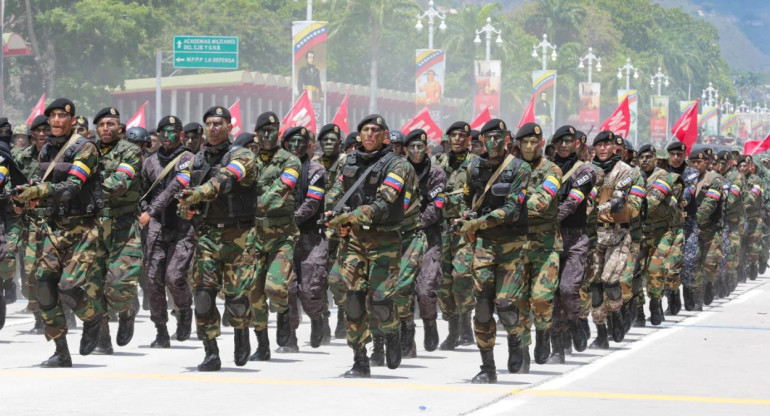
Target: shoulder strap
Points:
(479, 199)
(163, 174)
(59, 155)
(572, 170)
(358, 182)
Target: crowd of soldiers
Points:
(541, 231)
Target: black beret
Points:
(529, 130)
(701, 154)
(4, 122)
(416, 134)
(193, 128)
(110, 112)
(244, 139)
(475, 135)
(396, 137)
(61, 103)
(169, 121)
(676, 145)
(725, 155)
(647, 148)
(329, 128)
(217, 111)
(562, 132)
(350, 141)
(604, 136)
(81, 121)
(373, 119)
(493, 125)
(38, 121)
(708, 151)
(458, 125)
(266, 119)
(296, 131)
(744, 159)
(627, 144)
(581, 136)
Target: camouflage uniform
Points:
(333, 169)
(735, 217)
(752, 240)
(10, 175)
(633, 292)
(27, 160)
(592, 218)
(708, 195)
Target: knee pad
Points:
(205, 302)
(71, 297)
(381, 309)
(47, 294)
(597, 294)
(614, 291)
(484, 307)
(508, 312)
(355, 305)
(238, 307)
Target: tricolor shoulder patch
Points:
(551, 185)
(713, 194)
(439, 201)
(183, 176)
(638, 191)
(127, 169)
(80, 170)
(662, 186)
(289, 177)
(577, 195)
(236, 168)
(394, 181)
(315, 192)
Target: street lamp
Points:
(431, 14)
(743, 108)
(628, 67)
(590, 58)
(728, 106)
(544, 45)
(488, 29)
(661, 78)
(710, 96)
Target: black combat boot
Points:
(566, 342)
(61, 357)
(542, 346)
(674, 303)
(327, 339)
(760, 268)
(466, 330)
(125, 327)
(339, 330)
(708, 294)
(617, 326)
(9, 287)
(377, 359)
(526, 360)
(393, 349)
(656, 312)
(754, 272)
(104, 345)
(601, 342)
(689, 298)
(291, 347)
(2, 311)
(586, 328)
(453, 337)
(263, 347)
(162, 339)
(283, 329)
(407, 333)
(515, 355)
(360, 365)
(184, 324)
(431, 335)
(633, 309)
(639, 319)
(242, 346)
(697, 296)
(579, 336)
(488, 373)
(557, 349)
(316, 331)
(39, 327)
(211, 362)
(90, 336)
(625, 312)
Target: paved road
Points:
(715, 362)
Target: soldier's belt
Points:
(610, 225)
(234, 224)
(657, 226)
(539, 228)
(117, 212)
(265, 222)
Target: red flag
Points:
(424, 121)
(235, 114)
(620, 121)
(752, 147)
(341, 118)
(686, 128)
(139, 119)
(301, 114)
(481, 119)
(529, 113)
(37, 110)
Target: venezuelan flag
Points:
(80, 170)
(735, 190)
(440, 200)
(289, 177)
(394, 181)
(127, 169)
(551, 185)
(662, 186)
(237, 169)
(577, 195)
(638, 191)
(183, 177)
(315, 192)
(713, 194)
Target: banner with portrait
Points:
(659, 119)
(487, 75)
(309, 64)
(544, 91)
(728, 126)
(709, 122)
(744, 126)
(633, 106)
(429, 80)
(588, 115)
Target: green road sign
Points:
(211, 52)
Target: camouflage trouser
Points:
(308, 281)
(274, 261)
(64, 273)
(585, 288)
(224, 261)
(655, 259)
(540, 278)
(690, 253)
(733, 258)
(675, 260)
(707, 269)
(118, 262)
(498, 267)
(610, 259)
(754, 248)
(572, 271)
(33, 237)
(335, 280)
(627, 279)
(168, 255)
(419, 276)
(14, 227)
(369, 266)
(455, 294)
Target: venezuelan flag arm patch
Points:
(713, 194)
(3, 174)
(80, 170)
(735, 190)
(394, 181)
(756, 189)
(522, 195)
(236, 168)
(662, 186)
(127, 169)
(638, 191)
(439, 201)
(407, 198)
(577, 195)
(289, 177)
(315, 192)
(592, 194)
(551, 185)
(183, 176)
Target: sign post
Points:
(208, 52)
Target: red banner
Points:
(235, 114)
(620, 121)
(37, 110)
(686, 128)
(589, 105)
(529, 113)
(752, 147)
(139, 119)
(301, 114)
(482, 118)
(424, 121)
(341, 118)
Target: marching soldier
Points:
(753, 194)
(193, 136)
(735, 217)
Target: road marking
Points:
(648, 397)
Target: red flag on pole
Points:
(139, 119)
(686, 128)
(301, 114)
(341, 118)
(424, 121)
(752, 147)
(529, 113)
(481, 119)
(235, 118)
(620, 121)
(37, 110)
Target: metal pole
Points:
(309, 10)
(158, 76)
(545, 58)
(590, 69)
(489, 44)
(430, 32)
(659, 87)
(628, 79)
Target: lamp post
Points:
(628, 67)
(431, 14)
(590, 58)
(743, 108)
(710, 96)
(660, 78)
(488, 30)
(728, 106)
(544, 45)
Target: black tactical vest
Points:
(497, 194)
(303, 183)
(237, 205)
(88, 201)
(355, 165)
